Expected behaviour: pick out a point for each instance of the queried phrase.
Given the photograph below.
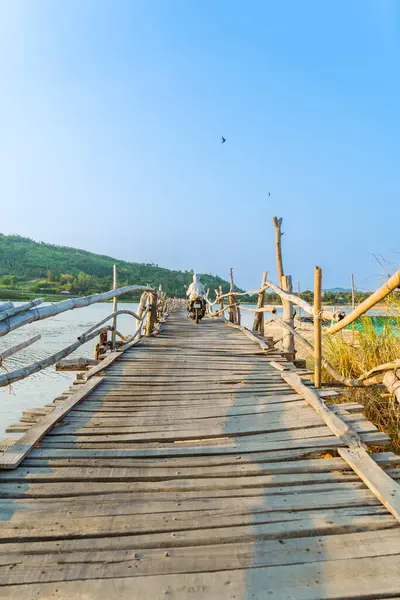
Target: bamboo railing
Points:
(388, 375)
(152, 311)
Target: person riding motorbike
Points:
(196, 290)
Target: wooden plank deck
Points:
(194, 471)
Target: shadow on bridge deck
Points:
(194, 471)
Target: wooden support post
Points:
(287, 307)
(278, 248)
(353, 296)
(288, 349)
(317, 326)
(221, 300)
(232, 299)
(258, 324)
(101, 346)
(115, 308)
(141, 308)
(152, 314)
(160, 306)
(299, 292)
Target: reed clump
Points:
(360, 349)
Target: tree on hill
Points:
(80, 271)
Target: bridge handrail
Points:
(324, 313)
(388, 374)
(380, 294)
(153, 304)
(31, 315)
(24, 372)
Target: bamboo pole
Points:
(258, 324)
(382, 369)
(222, 310)
(353, 297)
(45, 312)
(232, 299)
(317, 326)
(14, 349)
(288, 316)
(365, 380)
(16, 310)
(287, 306)
(115, 309)
(6, 306)
(264, 309)
(221, 298)
(325, 314)
(47, 362)
(391, 284)
(298, 291)
(111, 316)
(138, 332)
(391, 380)
(278, 247)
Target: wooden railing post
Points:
(278, 248)
(233, 311)
(141, 308)
(317, 326)
(221, 300)
(258, 324)
(288, 349)
(115, 308)
(285, 284)
(152, 314)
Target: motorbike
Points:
(196, 308)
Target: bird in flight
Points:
(269, 193)
(223, 139)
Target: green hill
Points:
(28, 267)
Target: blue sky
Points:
(111, 114)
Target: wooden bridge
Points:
(198, 465)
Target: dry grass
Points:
(359, 352)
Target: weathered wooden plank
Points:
(362, 578)
(107, 472)
(289, 461)
(111, 490)
(231, 445)
(14, 455)
(217, 437)
(381, 484)
(121, 563)
(76, 481)
(255, 421)
(294, 498)
(305, 527)
(275, 455)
